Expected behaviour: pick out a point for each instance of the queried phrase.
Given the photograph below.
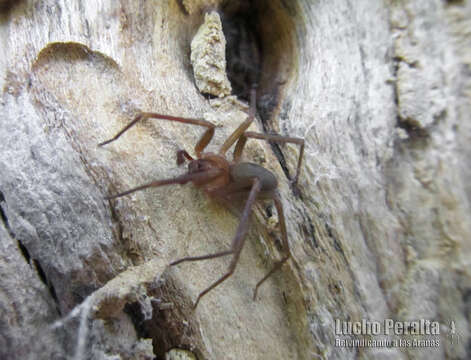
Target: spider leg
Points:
(274, 138)
(284, 237)
(237, 242)
(242, 127)
(203, 176)
(202, 142)
(203, 257)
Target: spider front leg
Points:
(242, 127)
(237, 242)
(200, 145)
(204, 176)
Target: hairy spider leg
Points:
(237, 242)
(239, 148)
(200, 145)
(200, 177)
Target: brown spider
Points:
(225, 180)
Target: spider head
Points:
(207, 162)
(199, 165)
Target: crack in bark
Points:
(32, 262)
(309, 230)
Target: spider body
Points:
(226, 181)
(237, 176)
(242, 173)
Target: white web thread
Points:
(82, 310)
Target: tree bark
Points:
(380, 228)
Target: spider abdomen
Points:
(245, 172)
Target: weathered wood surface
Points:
(379, 90)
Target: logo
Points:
(452, 333)
(387, 333)
(387, 327)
